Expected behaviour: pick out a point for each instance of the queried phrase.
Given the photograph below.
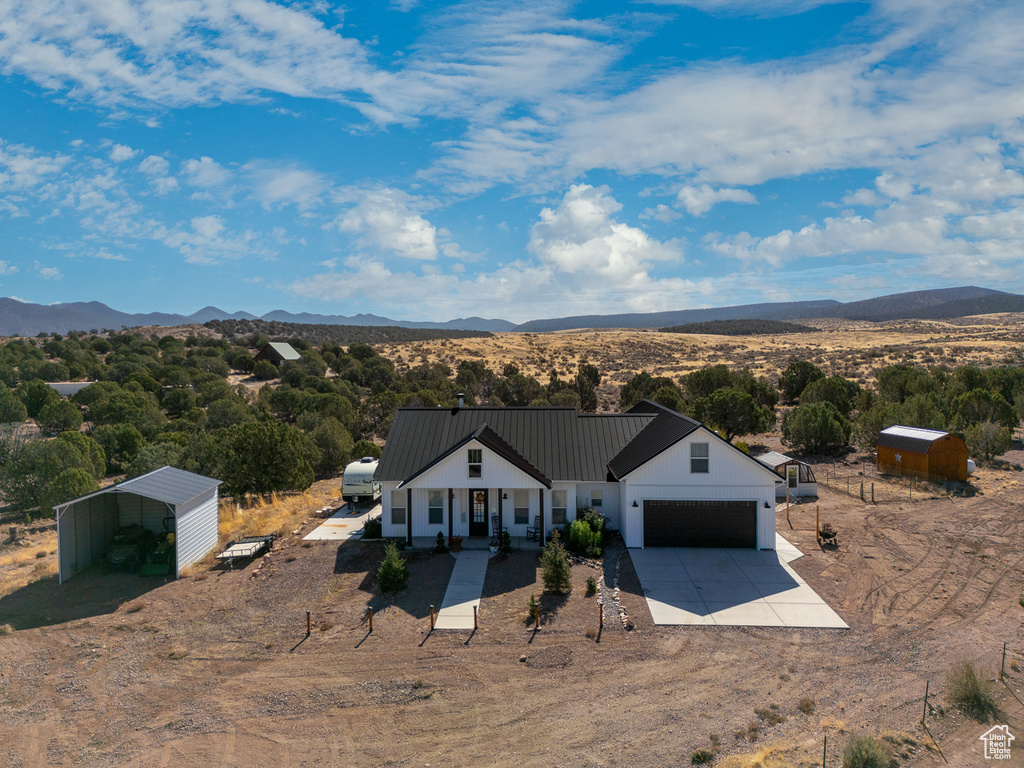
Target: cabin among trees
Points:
(926, 453)
(276, 352)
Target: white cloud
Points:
(661, 212)
(120, 153)
(277, 185)
(154, 165)
(206, 172)
(384, 219)
(699, 200)
(7, 268)
(50, 273)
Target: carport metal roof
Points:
(167, 484)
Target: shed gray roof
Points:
(168, 484)
(913, 439)
(558, 443)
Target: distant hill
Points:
(25, 319)
(932, 304)
(19, 318)
(784, 310)
(343, 335)
(740, 327)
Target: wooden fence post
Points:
(474, 618)
(600, 621)
(817, 525)
(371, 619)
(431, 618)
(872, 493)
(1002, 666)
(824, 751)
(924, 714)
(309, 623)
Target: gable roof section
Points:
(558, 443)
(909, 438)
(488, 437)
(665, 430)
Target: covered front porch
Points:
(475, 543)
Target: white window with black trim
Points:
(699, 458)
(435, 508)
(596, 498)
(398, 499)
(522, 507)
(476, 458)
(558, 507)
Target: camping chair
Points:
(497, 531)
(534, 533)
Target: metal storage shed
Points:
(86, 525)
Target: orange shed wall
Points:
(909, 462)
(948, 458)
(945, 458)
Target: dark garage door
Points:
(700, 523)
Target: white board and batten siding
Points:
(196, 529)
(730, 476)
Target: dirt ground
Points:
(114, 669)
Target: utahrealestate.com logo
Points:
(997, 742)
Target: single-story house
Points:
(799, 475)
(922, 453)
(277, 352)
(660, 478)
(166, 499)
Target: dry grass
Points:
(20, 566)
(277, 515)
(777, 755)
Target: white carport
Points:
(86, 525)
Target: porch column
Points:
(541, 516)
(501, 523)
(451, 506)
(408, 516)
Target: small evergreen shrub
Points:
(439, 545)
(866, 752)
(393, 572)
(264, 370)
(591, 586)
(555, 569)
(372, 528)
(971, 692)
(506, 543)
(702, 757)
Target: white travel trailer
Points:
(357, 483)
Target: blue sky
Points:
(426, 160)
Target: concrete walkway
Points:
(730, 587)
(345, 524)
(464, 589)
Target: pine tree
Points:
(555, 569)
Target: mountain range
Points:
(19, 318)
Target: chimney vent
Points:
(462, 399)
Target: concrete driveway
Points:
(730, 587)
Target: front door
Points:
(477, 513)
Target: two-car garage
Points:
(699, 523)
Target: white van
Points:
(357, 483)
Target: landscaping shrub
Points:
(372, 528)
(555, 569)
(702, 757)
(393, 572)
(591, 586)
(583, 540)
(866, 752)
(968, 690)
(439, 546)
(806, 705)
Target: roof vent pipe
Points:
(462, 399)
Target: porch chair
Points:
(497, 531)
(534, 533)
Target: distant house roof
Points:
(909, 438)
(283, 350)
(68, 388)
(550, 444)
(167, 484)
(774, 459)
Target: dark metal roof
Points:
(487, 436)
(665, 429)
(556, 443)
(909, 438)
